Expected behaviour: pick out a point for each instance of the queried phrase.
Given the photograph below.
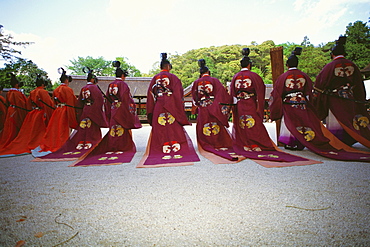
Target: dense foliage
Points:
(101, 66)
(26, 72)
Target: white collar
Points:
(292, 68)
(244, 69)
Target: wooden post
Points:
(277, 68)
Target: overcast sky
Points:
(141, 29)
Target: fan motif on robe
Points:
(344, 70)
(166, 118)
(246, 121)
(307, 132)
(116, 130)
(211, 128)
(85, 123)
(360, 121)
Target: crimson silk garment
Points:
(34, 125)
(212, 121)
(250, 136)
(88, 133)
(344, 82)
(117, 146)
(16, 113)
(169, 143)
(3, 110)
(63, 118)
(289, 99)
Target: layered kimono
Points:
(340, 89)
(250, 136)
(34, 125)
(169, 144)
(63, 118)
(16, 113)
(289, 98)
(117, 145)
(88, 132)
(213, 107)
(3, 110)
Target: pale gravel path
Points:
(241, 204)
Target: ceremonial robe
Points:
(213, 107)
(3, 110)
(117, 145)
(250, 136)
(169, 144)
(289, 98)
(88, 133)
(63, 118)
(17, 111)
(34, 125)
(339, 88)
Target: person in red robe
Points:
(16, 112)
(92, 117)
(213, 107)
(169, 144)
(289, 98)
(34, 125)
(340, 95)
(250, 136)
(63, 118)
(117, 146)
(3, 109)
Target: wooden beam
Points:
(277, 68)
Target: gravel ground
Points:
(243, 204)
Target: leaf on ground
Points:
(39, 235)
(20, 220)
(20, 243)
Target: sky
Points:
(142, 29)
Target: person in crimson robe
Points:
(3, 109)
(250, 136)
(117, 145)
(92, 118)
(16, 112)
(213, 107)
(35, 123)
(169, 143)
(62, 120)
(341, 97)
(290, 100)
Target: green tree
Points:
(101, 66)
(358, 43)
(26, 72)
(7, 50)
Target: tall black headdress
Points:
(293, 59)
(40, 81)
(338, 49)
(164, 60)
(13, 80)
(202, 66)
(119, 71)
(64, 76)
(245, 60)
(90, 74)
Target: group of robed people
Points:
(42, 125)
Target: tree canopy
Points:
(101, 66)
(26, 72)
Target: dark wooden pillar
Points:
(277, 68)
